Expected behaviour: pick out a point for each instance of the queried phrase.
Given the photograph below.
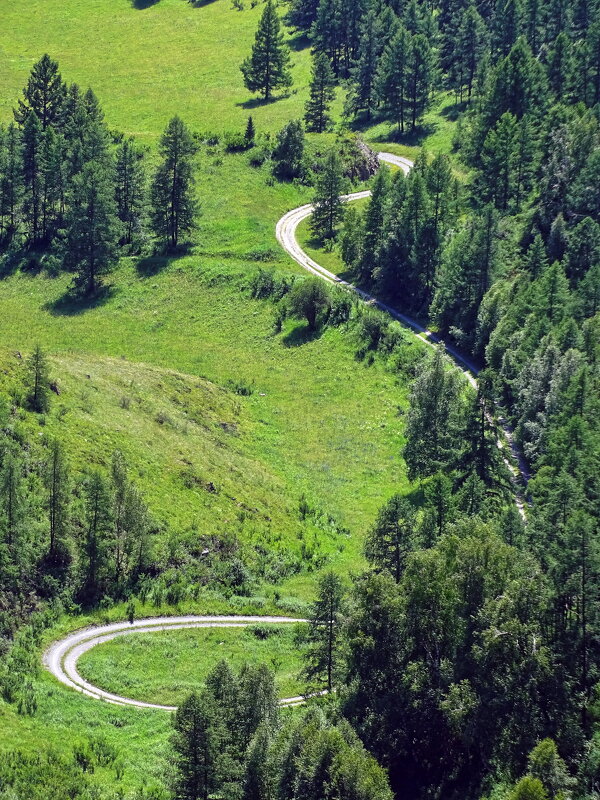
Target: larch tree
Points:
(92, 228)
(174, 205)
(130, 191)
(392, 537)
(38, 381)
(196, 749)
(57, 487)
(268, 66)
(325, 622)
(322, 94)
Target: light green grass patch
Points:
(166, 666)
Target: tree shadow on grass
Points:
(147, 266)
(142, 4)
(70, 305)
(453, 111)
(258, 102)
(300, 335)
(299, 41)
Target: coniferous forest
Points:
(370, 428)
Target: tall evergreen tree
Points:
(196, 749)
(57, 486)
(392, 537)
(44, 94)
(322, 94)
(431, 429)
(92, 228)
(174, 205)
(130, 191)
(421, 74)
(11, 181)
(267, 68)
(33, 177)
(363, 96)
(393, 76)
(95, 547)
(322, 656)
(328, 207)
(38, 381)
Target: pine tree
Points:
(328, 208)
(267, 69)
(54, 186)
(130, 191)
(57, 486)
(92, 228)
(196, 749)
(392, 537)
(375, 219)
(38, 382)
(44, 94)
(322, 656)
(322, 94)
(174, 205)
(392, 78)
(33, 172)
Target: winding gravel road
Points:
(286, 236)
(61, 657)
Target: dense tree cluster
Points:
(231, 741)
(77, 193)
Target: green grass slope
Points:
(165, 667)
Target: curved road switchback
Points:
(285, 232)
(61, 657)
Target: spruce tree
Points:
(560, 68)
(90, 248)
(267, 68)
(328, 207)
(174, 205)
(38, 381)
(322, 656)
(322, 94)
(471, 42)
(44, 94)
